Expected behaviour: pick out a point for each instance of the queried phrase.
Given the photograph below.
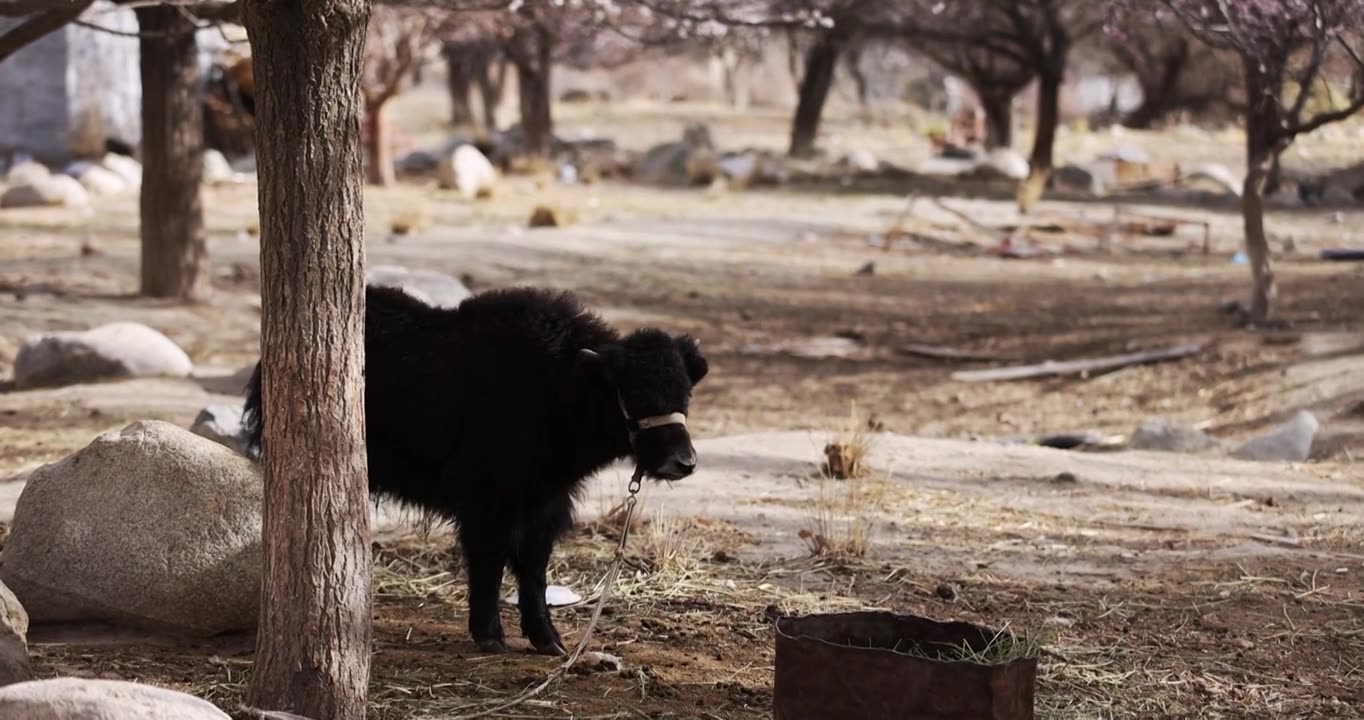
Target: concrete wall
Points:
(64, 94)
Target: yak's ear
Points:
(605, 362)
(692, 359)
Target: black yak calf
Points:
(496, 412)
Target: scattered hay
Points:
(844, 517)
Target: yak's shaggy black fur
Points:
(494, 415)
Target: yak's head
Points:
(651, 374)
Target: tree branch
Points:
(39, 26)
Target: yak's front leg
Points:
(485, 547)
(530, 562)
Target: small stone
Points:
(947, 591)
(545, 216)
(598, 662)
(57, 190)
(1065, 478)
(1058, 621)
(867, 269)
(127, 168)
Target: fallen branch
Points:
(1086, 367)
(937, 352)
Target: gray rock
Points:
(27, 173)
(469, 172)
(692, 161)
(1163, 435)
(222, 424)
(151, 527)
(56, 190)
(1079, 179)
(1291, 441)
(419, 162)
(13, 617)
(429, 286)
(217, 170)
(106, 352)
(84, 699)
(15, 666)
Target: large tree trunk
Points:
(820, 64)
(173, 246)
(1263, 145)
(1040, 163)
(379, 151)
(313, 643)
(460, 70)
(999, 117)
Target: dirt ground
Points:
(1162, 585)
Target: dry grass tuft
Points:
(846, 455)
(849, 500)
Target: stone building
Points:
(69, 92)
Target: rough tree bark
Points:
(313, 643)
(820, 63)
(1040, 162)
(534, 62)
(172, 215)
(1263, 144)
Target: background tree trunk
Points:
(999, 117)
(533, 66)
(379, 151)
(1263, 122)
(459, 79)
(1040, 163)
(820, 64)
(313, 643)
(172, 215)
(492, 80)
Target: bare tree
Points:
(313, 643)
(1285, 47)
(1036, 34)
(1175, 72)
(396, 42)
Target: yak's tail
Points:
(253, 422)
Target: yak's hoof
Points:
(552, 647)
(492, 646)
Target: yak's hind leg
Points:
(486, 543)
(530, 562)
